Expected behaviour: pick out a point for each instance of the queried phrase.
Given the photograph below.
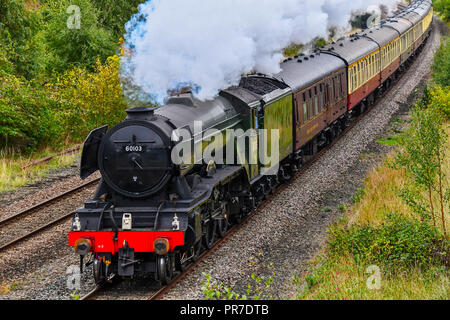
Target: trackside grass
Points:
(380, 248)
(14, 175)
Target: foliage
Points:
(14, 171)
(56, 86)
(443, 7)
(90, 99)
(441, 65)
(440, 100)
(21, 38)
(389, 141)
(113, 14)
(28, 116)
(6, 66)
(319, 42)
(75, 47)
(214, 290)
(437, 98)
(422, 156)
(35, 37)
(75, 296)
(293, 50)
(398, 243)
(358, 195)
(341, 278)
(60, 112)
(359, 21)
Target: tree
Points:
(113, 14)
(75, 46)
(20, 37)
(422, 156)
(359, 20)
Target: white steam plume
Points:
(209, 44)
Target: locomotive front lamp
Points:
(126, 221)
(161, 246)
(83, 246)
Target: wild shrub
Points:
(60, 112)
(441, 65)
(439, 99)
(214, 290)
(28, 116)
(423, 156)
(90, 99)
(443, 7)
(398, 243)
(6, 65)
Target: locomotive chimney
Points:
(140, 113)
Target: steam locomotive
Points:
(152, 216)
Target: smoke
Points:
(210, 44)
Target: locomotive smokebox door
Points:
(89, 157)
(126, 261)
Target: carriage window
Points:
(358, 75)
(311, 107)
(305, 112)
(353, 78)
(305, 109)
(339, 87)
(362, 72)
(334, 89)
(316, 101)
(316, 105)
(330, 96)
(372, 65)
(366, 70)
(321, 98)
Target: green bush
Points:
(28, 116)
(441, 64)
(32, 115)
(439, 99)
(90, 99)
(443, 7)
(6, 66)
(398, 243)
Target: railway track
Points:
(91, 293)
(159, 294)
(40, 206)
